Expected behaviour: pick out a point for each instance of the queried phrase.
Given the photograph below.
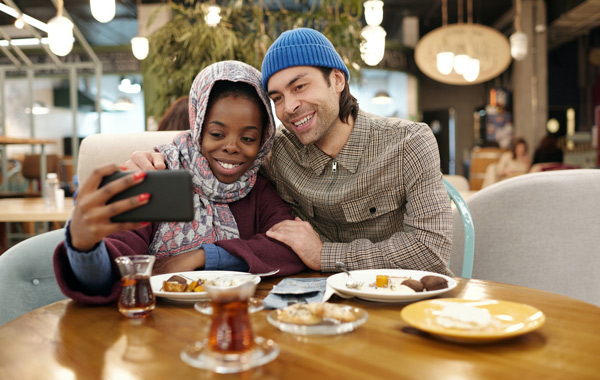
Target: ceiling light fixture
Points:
(103, 10)
(28, 19)
(60, 32)
(19, 23)
(39, 108)
(128, 87)
(462, 54)
(140, 47)
(382, 97)
(372, 49)
(24, 42)
(518, 40)
(213, 17)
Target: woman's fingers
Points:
(90, 221)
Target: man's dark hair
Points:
(348, 103)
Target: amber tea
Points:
(137, 299)
(230, 332)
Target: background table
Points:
(67, 340)
(6, 140)
(27, 210)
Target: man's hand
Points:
(146, 161)
(183, 262)
(302, 238)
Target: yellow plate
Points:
(510, 319)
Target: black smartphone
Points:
(170, 197)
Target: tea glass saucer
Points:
(199, 355)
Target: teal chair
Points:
(27, 277)
(461, 205)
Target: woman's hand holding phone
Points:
(91, 218)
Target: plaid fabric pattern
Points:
(380, 203)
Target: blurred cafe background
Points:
(479, 72)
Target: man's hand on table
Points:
(146, 161)
(302, 238)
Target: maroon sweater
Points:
(255, 214)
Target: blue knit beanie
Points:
(300, 47)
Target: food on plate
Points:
(464, 317)
(382, 281)
(434, 282)
(177, 283)
(338, 312)
(415, 285)
(300, 314)
(314, 313)
(407, 285)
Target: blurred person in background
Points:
(177, 116)
(511, 164)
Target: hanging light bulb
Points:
(373, 12)
(518, 40)
(518, 45)
(60, 35)
(140, 47)
(460, 63)
(19, 23)
(471, 71)
(213, 17)
(103, 10)
(445, 62)
(372, 49)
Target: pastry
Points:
(434, 282)
(300, 314)
(415, 285)
(175, 283)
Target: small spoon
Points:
(350, 283)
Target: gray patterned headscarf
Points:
(213, 220)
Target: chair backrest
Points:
(116, 148)
(27, 276)
(459, 182)
(467, 228)
(31, 165)
(540, 230)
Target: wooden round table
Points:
(67, 340)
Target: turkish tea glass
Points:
(137, 299)
(231, 345)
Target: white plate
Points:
(157, 282)
(338, 282)
(328, 326)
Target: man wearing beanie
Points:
(367, 190)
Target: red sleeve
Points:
(124, 243)
(255, 214)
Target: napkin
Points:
(296, 290)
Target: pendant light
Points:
(140, 47)
(213, 16)
(518, 40)
(60, 33)
(103, 10)
(372, 49)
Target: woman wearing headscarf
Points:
(231, 132)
